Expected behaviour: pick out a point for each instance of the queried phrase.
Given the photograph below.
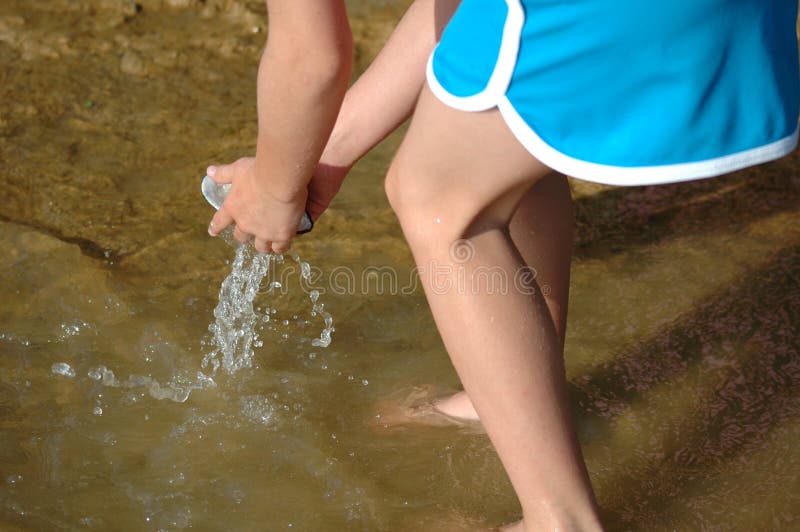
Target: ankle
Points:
(562, 519)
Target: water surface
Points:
(682, 349)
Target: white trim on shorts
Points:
(494, 95)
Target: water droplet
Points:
(62, 368)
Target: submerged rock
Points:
(133, 65)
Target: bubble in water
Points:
(258, 409)
(323, 341)
(62, 368)
(73, 328)
(98, 411)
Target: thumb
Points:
(220, 173)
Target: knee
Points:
(413, 200)
(423, 202)
(401, 191)
(392, 188)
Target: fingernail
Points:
(211, 170)
(211, 229)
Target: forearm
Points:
(302, 79)
(385, 95)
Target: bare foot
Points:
(458, 405)
(456, 522)
(423, 405)
(513, 527)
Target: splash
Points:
(234, 331)
(174, 390)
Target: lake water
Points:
(682, 347)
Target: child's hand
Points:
(271, 222)
(323, 187)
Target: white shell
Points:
(215, 194)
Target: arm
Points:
(382, 98)
(302, 78)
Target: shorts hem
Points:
(639, 175)
(494, 95)
(500, 79)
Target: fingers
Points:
(241, 236)
(220, 221)
(265, 246)
(281, 247)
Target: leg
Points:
(541, 229)
(456, 181)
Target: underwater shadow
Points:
(614, 220)
(741, 347)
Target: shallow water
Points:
(682, 349)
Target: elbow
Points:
(333, 67)
(326, 67)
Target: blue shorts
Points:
(629, 92)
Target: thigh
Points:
(461, 164)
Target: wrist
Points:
(286, 191)
(341, 149)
